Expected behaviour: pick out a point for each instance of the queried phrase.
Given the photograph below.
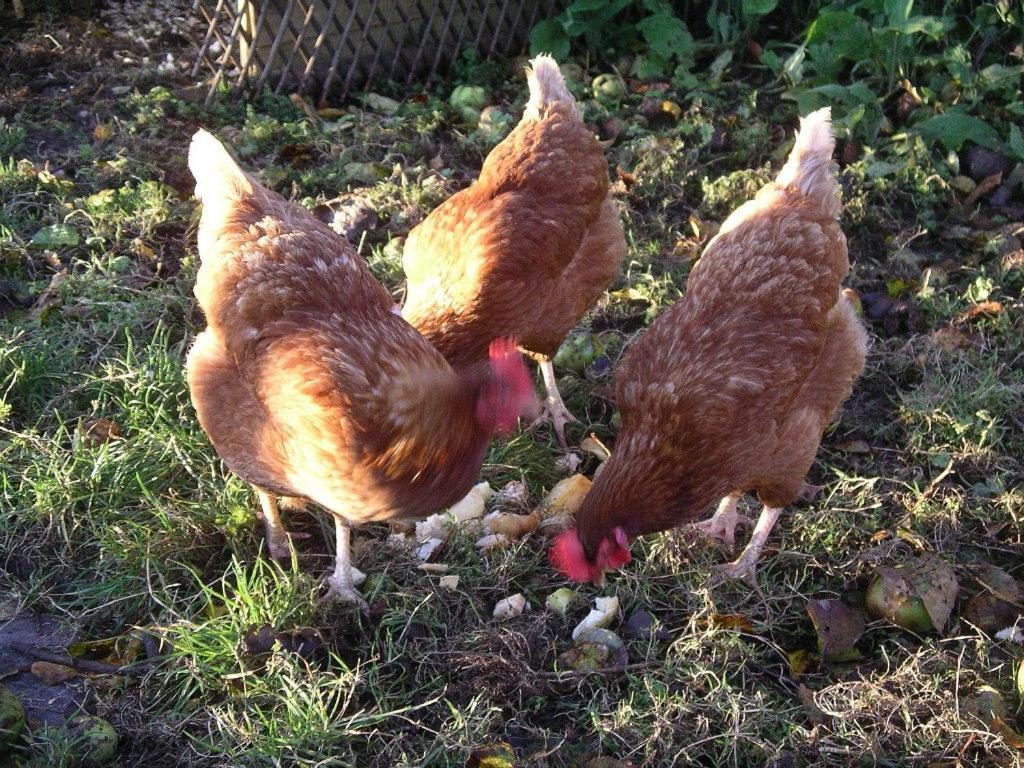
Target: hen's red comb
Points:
(567, 555)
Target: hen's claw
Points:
(742, 568)
(338, 589)
(339, 583)
(553, 410)
(558, 416)
(722, 524)
(745, 566)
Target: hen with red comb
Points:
(309, 384)
(525, 250)
(730, 389)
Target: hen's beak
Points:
(598, 581)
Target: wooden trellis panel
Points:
(327, 48)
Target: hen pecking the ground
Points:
(527, 249)
(308, 383)
(730, 390)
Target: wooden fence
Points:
(327, 48)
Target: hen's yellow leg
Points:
(277, 538)
(554, 409)
(340, 584)
(745, 566)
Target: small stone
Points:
(982, 163)
(603, 636)
(449, 582)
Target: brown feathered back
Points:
(529, 247)
(305, 380)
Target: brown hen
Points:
(310, 385)
(731, 389)
(527, 249)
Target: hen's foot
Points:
(553, 411)
(343, 591)
(558, 416)
(340, 584)
(745, 566)
(278, 546)
(722, 524)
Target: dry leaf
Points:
(800, 661)
(497, 756)
(607, 762)
(50, 297)
(985, 186)
(93, 432)
(305, 106)
(814, 713)
(936, 584)
(1010, 735)
(918, 595)
(585, 657)
(102, 131)
(839, 627)
(52, 674)
(330, 113)
(628, 178)
(641, 625)
(987, 308)
(949, 339)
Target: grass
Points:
(148, 536)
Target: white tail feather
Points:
(809, 166)
(547, 86)
(215, 171)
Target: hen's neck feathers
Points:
(547, 89)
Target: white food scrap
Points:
(449, 582)
(433, 567)
(470, 507)
(358, 577)
(492, 541)
(427, 548)
(510, 607)
(558, 601)
(604, 612)
(512, 493)
(511, 525)
(565, 498)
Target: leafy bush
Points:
(938, 70)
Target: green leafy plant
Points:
(613, 26)
(877, 61)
